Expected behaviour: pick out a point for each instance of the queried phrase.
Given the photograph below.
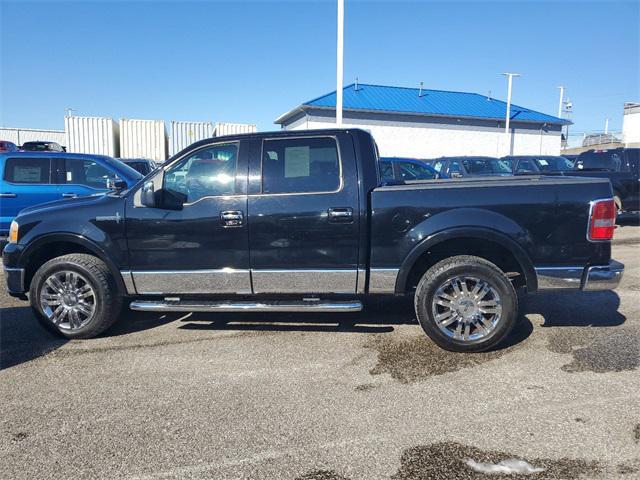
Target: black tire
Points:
(107, 302)
(465, 265)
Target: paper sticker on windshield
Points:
(543, 162)
(69, 176)
(296, 161)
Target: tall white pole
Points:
(339, 66)
(508, 113)
(606, 126)
(561, 100)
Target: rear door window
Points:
(300, 165)
(28, 170)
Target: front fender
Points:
(37, 244)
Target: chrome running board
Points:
(264, 306)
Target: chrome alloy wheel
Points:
(68, 300)
(466, 308)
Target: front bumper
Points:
(14, 277)
(595, 277)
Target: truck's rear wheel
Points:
(75, 296)
(466, 304)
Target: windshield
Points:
(603, 159)
(486, 166)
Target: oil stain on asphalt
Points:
(598, 350)
(447, 460)
(416, 358)
(321, 475)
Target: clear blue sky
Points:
(249, 62)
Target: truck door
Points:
(303, 215)
(198, 242)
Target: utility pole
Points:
(508, 113)
(339, 66)
(561, 100)
(606, 126)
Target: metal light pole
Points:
(561, 87)
(339, 66)
(508, 113)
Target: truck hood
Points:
(70, 203)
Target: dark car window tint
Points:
(300, 165)
(455, 167)
(28, 170)
(413, 171)
(86, 172)
(607, 160)
(208, 172)
(386, 170)
(524, 165)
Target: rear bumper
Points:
(595, 277)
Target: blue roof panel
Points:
(431, 102)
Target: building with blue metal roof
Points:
(428, 123)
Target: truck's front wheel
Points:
(75, 296)
(466, 304)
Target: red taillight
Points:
(602, 220)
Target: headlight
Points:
(13, 232)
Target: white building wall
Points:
(631, 125)
(22, 135)
(429, 140)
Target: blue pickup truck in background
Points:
(32, 178)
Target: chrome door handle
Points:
(232, 218)
(69, 195)
(8, 195)
(340, 215)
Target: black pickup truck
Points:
(301, 221)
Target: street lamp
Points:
(508, 113)
(339, 66)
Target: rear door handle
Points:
(340, 215)
(69, 195)
(232, 218)
(8, 195)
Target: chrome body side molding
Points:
(383, 280)
(127, 278)
(595, 277)
(551, 278)
(304, 281)
(226, 280)
(242, 306)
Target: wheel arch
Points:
(55, 245)
(456, 241)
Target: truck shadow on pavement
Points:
(575, 309)
(22, 338)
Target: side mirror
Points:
(148, 195)
(116, 184)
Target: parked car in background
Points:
(406, 170)
(621, 166)
(41, 147)
(32, 178)
(456, 167)
(6, 146)
(141, 165)
(301, 221)
(538, 163)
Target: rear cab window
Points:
(301, 165)
(28, 170)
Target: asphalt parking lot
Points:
(327, 397)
